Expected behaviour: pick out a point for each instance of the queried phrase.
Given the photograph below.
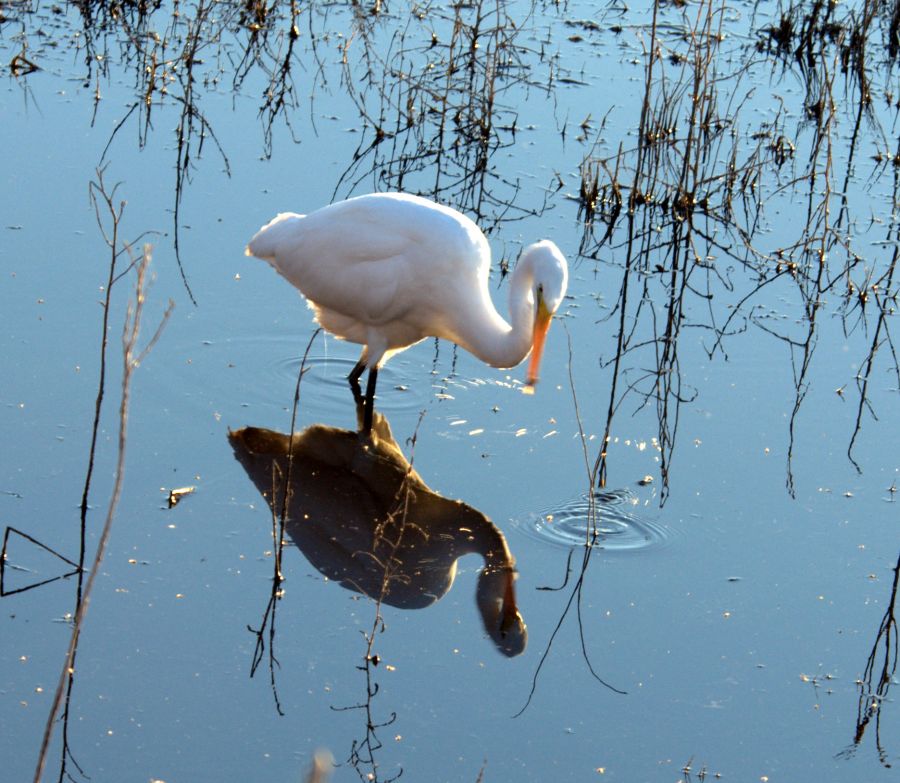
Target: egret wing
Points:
(372, 257)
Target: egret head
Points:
(496, 598)
(550, 275)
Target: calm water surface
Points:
(722, 622)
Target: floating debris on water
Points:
(175, 495)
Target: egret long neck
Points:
(485, 334)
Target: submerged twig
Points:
(130, 333)
(4, 559)
(880, 673)
(279, 519)
(388, 541)
(591, 536)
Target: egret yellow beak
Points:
(541, 325)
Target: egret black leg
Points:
(369, 409)
(353, 378)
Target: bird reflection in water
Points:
(363, 517)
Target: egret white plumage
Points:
(387, 270)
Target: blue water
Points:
(736, 617)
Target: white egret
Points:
(387, 270)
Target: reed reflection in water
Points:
(364, 517)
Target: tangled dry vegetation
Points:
(694, 199)
(742, 120)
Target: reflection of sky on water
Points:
(738, 642)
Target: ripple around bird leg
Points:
(325, 383)
(610, 524)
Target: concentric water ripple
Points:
(325, 383)
(618, 525)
